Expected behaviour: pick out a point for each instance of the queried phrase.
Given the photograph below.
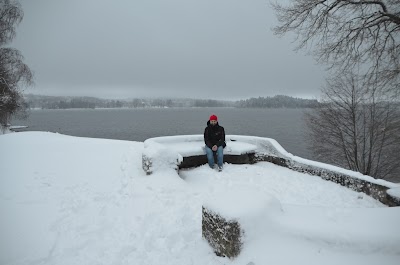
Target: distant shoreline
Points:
(143, 108)
(54, 102)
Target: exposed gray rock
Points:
(195, 161)
(224, 236)
(146, 164)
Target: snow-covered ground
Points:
(71, 200)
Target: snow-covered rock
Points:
(182, 147)
(171, 150)
(231, 216)
(394, 193)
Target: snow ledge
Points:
(170, 151)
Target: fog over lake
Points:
(284, 125)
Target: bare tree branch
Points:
(357, 126)
(347, 33)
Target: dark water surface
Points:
(284, 125)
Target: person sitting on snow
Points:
(214, 138)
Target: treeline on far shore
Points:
(61, 102)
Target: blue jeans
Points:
(210, 156)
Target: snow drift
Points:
(71, 200)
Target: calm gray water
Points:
(284, 125)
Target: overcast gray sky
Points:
(222, 49)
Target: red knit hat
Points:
(213, 118)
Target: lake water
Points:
(284, 125)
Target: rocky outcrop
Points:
(224, 236)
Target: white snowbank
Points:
(242, 203)
(4, 130)
(71, 200)
(189, 145)
(169, 158)
(272, 147)
(16, 127)
(193, 145)
(250, 208)
(394, 192)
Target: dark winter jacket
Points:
(214, 135)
